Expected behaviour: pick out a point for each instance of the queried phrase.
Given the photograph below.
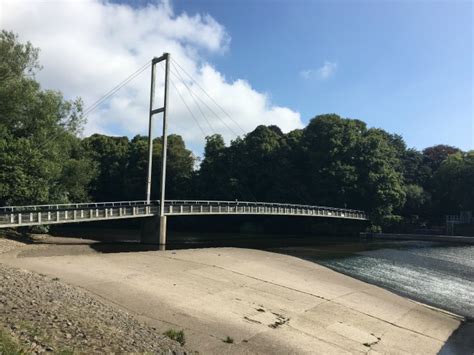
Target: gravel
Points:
(48, 315)
(7, 245)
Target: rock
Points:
(69, 317)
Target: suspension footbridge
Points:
(151, 210)
(20, 216)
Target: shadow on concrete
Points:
(19, 237)
(122, 247)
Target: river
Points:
(438, 274)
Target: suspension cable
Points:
(209, 96)
(208, 107)
(98, 102)
(187, 107)
(116, 88)
(193, 97)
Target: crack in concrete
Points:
(392, 323)
(255, 278)
(321, 339)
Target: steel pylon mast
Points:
(164, 109)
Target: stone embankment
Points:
(43, 314)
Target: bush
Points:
(176, 335)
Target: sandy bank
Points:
(265, 302)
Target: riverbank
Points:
(241, 300)
(39, 314)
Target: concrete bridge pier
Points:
(154, 230)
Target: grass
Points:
(228, 340)
(8, 345)
(177, 335)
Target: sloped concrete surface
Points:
(265, 302)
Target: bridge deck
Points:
(17, 216)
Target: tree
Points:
(111, 156)
(123, 167)
(333, 161)
(453, 184)
(329, 144)
(435, 155)
(40, 157)
(213, 175)
(179, 169)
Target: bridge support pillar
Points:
(154, 230)
(163, 230)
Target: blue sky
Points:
(404, 66)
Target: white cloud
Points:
(88, 46)
(327, 70)
(306, 74)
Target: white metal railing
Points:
(14, 216)
(73, 205)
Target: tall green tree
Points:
(111, 156)
(123, 167)
(453, 184)
(41, 159)
(214, 176)
(333, 161)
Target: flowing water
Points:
(434, 273)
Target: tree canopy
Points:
(41, 158)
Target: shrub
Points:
(177, 335)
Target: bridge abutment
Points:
(154, 230)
